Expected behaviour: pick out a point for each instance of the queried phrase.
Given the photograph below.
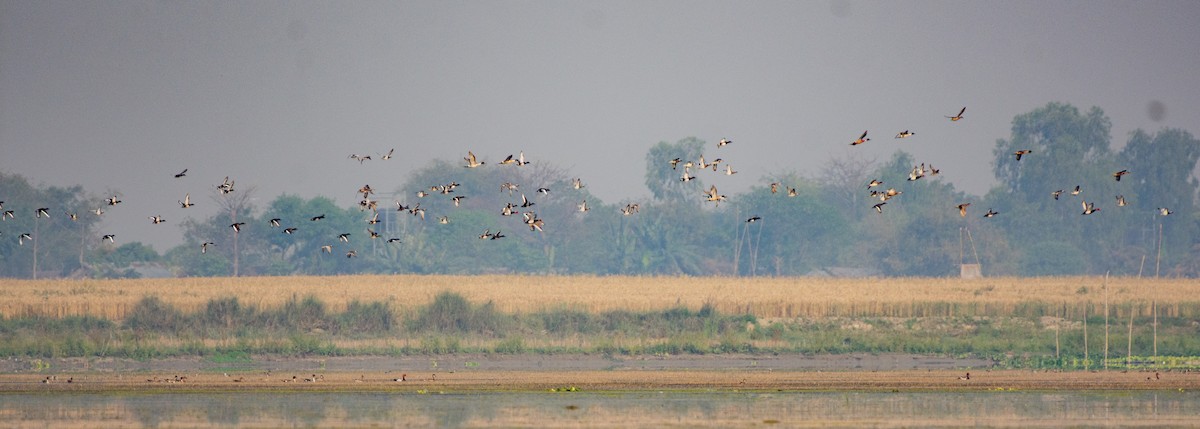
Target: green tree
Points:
(663, 179)
(1162, 169)
(59, 242)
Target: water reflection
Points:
(583, 409)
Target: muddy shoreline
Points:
(468, 372)
(498, 362)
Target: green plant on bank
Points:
(226, 331)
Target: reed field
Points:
(765, 298)
(1060, 322)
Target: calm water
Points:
(582, 409)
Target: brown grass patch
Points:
(762, 297)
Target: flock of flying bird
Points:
(531, 219)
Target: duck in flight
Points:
(861, 139)
(1118, 174)
(156, 219)
(1089, 208)
(1022, 152)
(962, 209)
(879, 207)
(204, 246)
(959, 116)
(905, 134)
(471, 161)
(108, 237)
(237, 227)
(43, 211)
(187, 201)
(724, 142)
(991, 213)
(181, 173)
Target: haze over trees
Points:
(787, 225)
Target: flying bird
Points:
(317, 217)
(187, 201)
(1164, 211)
(1022, 152)
(1089, 208)
(991, 213)
(237, 227)
(471, 161)
(108, 237)
(25, 236)
(328, 248)
(487, 233)
(388, 155)
(290, 230)
(204, 246)
(1076, 191)
(351, 253)
(1120, 201)
(444, 220)
(713, 196)
(879, 207)
(112, 201)
(724, 142)
(44, 211)
(1056, 193)
(753, 219)
(156, 219)
(675, 163)
(874, 183)
(905, 134)
(729, 170)
(861, 139)
(962, 209)
(274, 222)
(345, 237)
(959, 116)
(181, 173)
(583, 207)
(577, 183)
(1118, 174)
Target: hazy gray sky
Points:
(120, 95)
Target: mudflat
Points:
(466, 373)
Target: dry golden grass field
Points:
(762, 297)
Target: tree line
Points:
(802, 224)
